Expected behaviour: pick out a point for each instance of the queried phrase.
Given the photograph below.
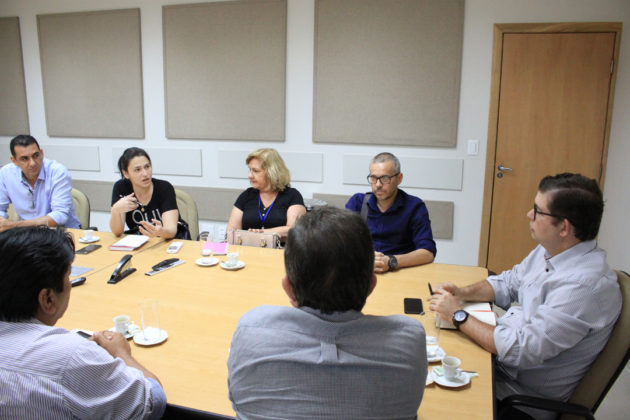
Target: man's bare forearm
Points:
(477, 292)
(6, 224)
(480, 332)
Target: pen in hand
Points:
(135, 200)
(430, 289)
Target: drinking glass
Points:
(431, 322)
(150, 319)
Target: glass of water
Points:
(150, 320)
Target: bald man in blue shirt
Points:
(399, 222)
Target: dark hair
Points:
(577, 199)
(22, 140)
(31, 259)
(329, 260)
(128, 154)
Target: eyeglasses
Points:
(385, 179)
(537, 211)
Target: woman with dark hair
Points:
(147, 205)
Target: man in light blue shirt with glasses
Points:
(39, 189)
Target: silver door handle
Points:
(504, 168)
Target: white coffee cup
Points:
(121, 323)
(88, 234)
(450, 367)
(232, 259)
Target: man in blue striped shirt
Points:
(52, 373)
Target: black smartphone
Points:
(77, 282)
(413, 306)
(83, 334)
(88, 249)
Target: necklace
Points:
(142, 206)
(263, 211)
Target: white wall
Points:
(480, 15)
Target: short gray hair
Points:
(387, 157)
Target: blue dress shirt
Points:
(51, 195)
(403, 228)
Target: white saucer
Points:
(89, 241)
(460, 380)
(207, 262)
(437, 357)
(429, 378)
(238, 265)
(132, 329)
(139, 338)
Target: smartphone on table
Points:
(87, 249)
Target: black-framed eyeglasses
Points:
(385, 179)
(537, 211)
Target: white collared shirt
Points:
(568, 306)
(52, 373)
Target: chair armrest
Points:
(545, 404)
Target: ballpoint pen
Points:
(135, 200)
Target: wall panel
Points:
(387, 72)
(92, 73)
(224, 67)
(13, 109)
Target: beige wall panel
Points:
(82, 158)
(99, 193)
(304, 167)
(225, 65)
(441, 213)
(92, 73)
(387, 72)
(434, 173)
(13, 109)
(170, 161)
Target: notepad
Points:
(77, 271)
(217, 248)
(480, 310)
(129, 243)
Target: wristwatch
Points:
(393, 263)
(459, 317)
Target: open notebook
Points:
(480, 310)
(129, 243)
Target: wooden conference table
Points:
(200, 307)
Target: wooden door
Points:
(553, 113)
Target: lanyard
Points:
(262, 219)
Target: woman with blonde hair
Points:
(270, 204)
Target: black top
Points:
(162, 200)
(248, 202)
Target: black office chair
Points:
(600, 377)
(178, 412)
